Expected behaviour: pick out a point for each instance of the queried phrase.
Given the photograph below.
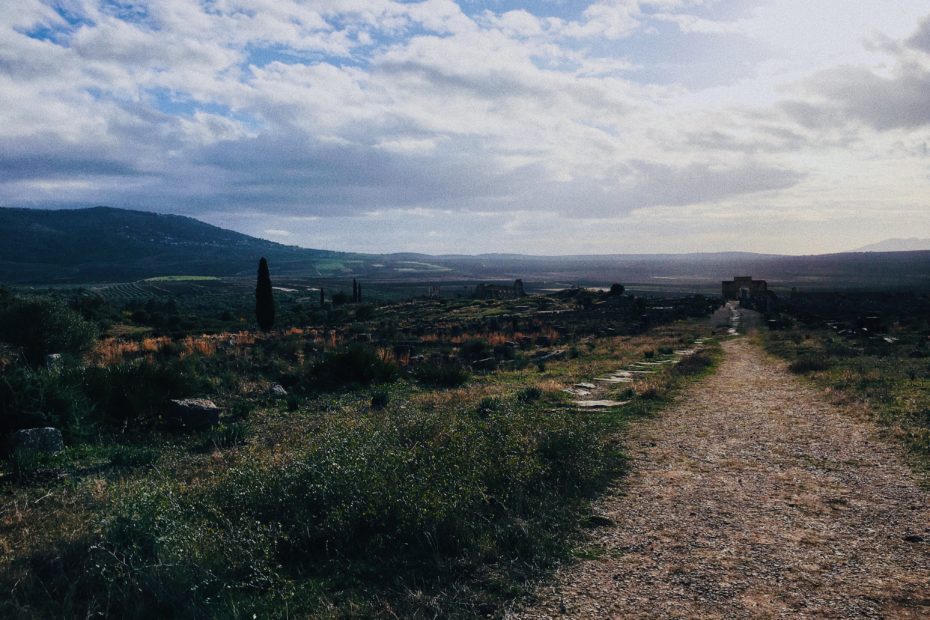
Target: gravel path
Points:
(753, 497)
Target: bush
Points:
(138, 393)
(807, 364)
(39, 326)
(475, 349)
(442, 375)
(30, 398)
(357, 365)
(380, 399)
(529, 394)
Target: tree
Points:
(616, 289)
(264, 301)
(41, 325)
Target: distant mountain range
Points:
(912, 244)
(104, 244)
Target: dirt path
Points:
(752, 497)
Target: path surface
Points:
(753, 497)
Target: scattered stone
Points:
(599, 404)
(586, 386)
(278, 391)
(192, 414)
(46, 440)
(577, 392)
(554, 355)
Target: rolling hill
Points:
(104, 244)
(911, 244)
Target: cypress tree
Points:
(264, 302)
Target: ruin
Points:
(744, 287)
(750, 293)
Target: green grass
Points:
(401, 498)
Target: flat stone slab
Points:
(577, 392)
(599, 404)
(614, 379)
(586, 386)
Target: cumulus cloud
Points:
(393, 110)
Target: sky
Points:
(546, 127)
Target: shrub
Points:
(487, 406)
(357, 365)
(138, 393)
(40, 326)
(529, 394)
(380, 399)
(475, 349)
(30, 398)
(807, 364)
(441, 375)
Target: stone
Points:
(53, 361)
(278, 391)
(192, 414)
(46, 440)
(599, 404)
(577, 392)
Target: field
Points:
(418, 457)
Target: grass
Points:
(388, 494)
(892, 378)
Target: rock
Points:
(488, 363)
(598, 404)
(53, 361)
(278, 391)
(192, 414)
(914, 538)
(46, 440)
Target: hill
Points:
(911, 244)
(102, 243)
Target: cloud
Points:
(883, 103)
(883, 98)
(368, 109)
(920, 40)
